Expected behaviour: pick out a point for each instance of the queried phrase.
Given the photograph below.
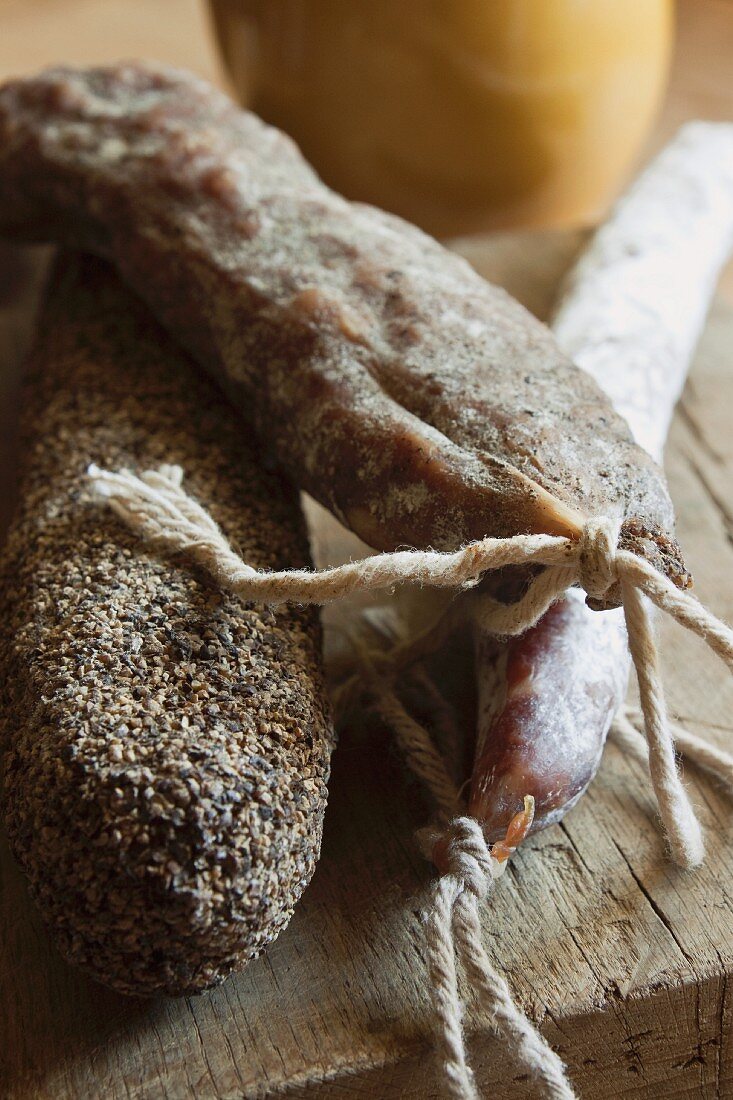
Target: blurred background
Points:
(462, 115)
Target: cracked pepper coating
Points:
(420, 404)
(166, 747)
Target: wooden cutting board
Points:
(622, 959)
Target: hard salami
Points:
(422, 405)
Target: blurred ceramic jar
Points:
(461, 115)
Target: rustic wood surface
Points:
(622, 959)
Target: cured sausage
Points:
(166, 747)
(630, 314)
(420, 404)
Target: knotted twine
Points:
(157, 508)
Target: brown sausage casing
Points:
(419, 403)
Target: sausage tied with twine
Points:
(421, 405)
(460, 850)
(417, 402)
(630, 314)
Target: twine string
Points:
(469, 868)
(716, 762)
(156, 506)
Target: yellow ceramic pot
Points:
(460, 115)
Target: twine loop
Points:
(597, 558)
(462, 851)
(468, 867)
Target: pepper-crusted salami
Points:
(166, 747)
(420, 404)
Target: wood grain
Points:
(624, 960)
